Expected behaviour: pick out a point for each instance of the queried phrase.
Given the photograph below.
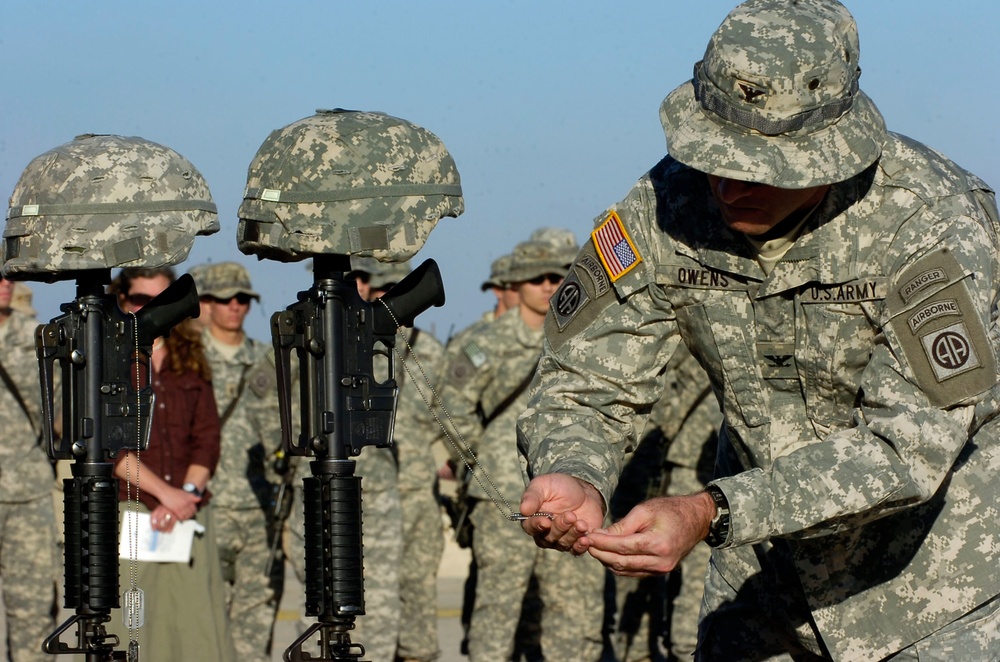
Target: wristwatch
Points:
(718, 528)
(191, 488)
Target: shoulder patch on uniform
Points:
(940, 332)
(615, 248)
(568, 300)
(262, 379)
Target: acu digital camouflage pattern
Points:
(499, 270)
(562, 239)
(840, 469)
(101, 202)
(414, 433)
(347, 182)
(27, 518)
(486, 382)
(244, 384)
(775, 99)
(223, 280)
(537, 258)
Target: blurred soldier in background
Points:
(27, 520)
(675, 456)
(484, 390)
(243, 380)
(21, 299)
(414, 432)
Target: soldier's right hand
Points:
(577, 508)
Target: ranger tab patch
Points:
(615, 247)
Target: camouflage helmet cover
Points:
(775, 99)
(104, 201)
(347, 182)
(379, 274)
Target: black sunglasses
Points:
(555, 279)
(139, 299)
(242, 298)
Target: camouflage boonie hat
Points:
(104, 201)
(378, 274)
(347, 182)
(535, 258)
(499, 270)
(224, 281)
(564, 240)
(776, 100)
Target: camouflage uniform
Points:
(423, 537)
(483, 373)
(245, 392)
(378, 629)
(676, 455)
(857, 376)
(27, 521)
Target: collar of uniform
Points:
(827, 250)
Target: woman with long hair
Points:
(185, 616)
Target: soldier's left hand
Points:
(654, 537)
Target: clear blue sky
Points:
(549, 108)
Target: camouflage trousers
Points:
(378, 629)
(571, 590)
(423, 545)
(243, 551)
(28, 572)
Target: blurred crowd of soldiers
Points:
(459, 401)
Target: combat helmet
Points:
(347, 182)
(104, 201)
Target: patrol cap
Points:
(775, 100)
(564, 240)
(535, 258)
(499, 270)
(378, 274)
(104, 201)
(224, 280)
(347, 182)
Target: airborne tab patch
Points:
(615, 247)
(937, 326)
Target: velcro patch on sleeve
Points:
(466, 363)
(615, 248)
(262, 380)
(582, 297)
(940, 331)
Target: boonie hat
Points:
(499, 270)
(378, 274)
(224, 280)
(536, 258)
(775, 100)
(564, 240)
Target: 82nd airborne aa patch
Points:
(615, 248)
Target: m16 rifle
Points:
(102, 356)
(345, 405)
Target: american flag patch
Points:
(614, 247)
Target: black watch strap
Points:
(718, 528)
